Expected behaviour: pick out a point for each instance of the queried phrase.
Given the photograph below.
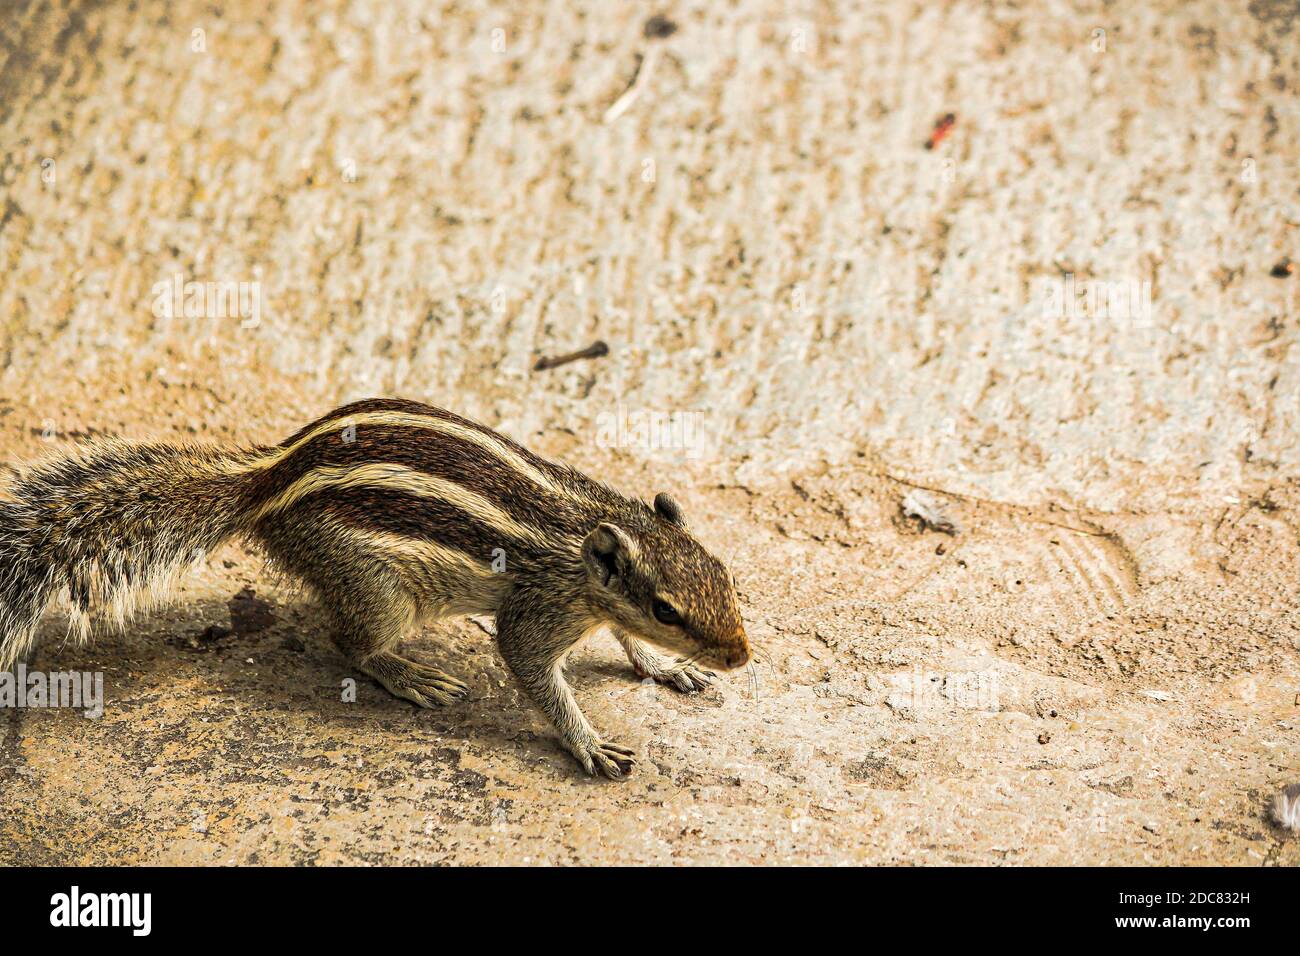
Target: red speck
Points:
(942, 127)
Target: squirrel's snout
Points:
(738, 655)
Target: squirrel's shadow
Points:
(275, 662)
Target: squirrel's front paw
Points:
(688, 678)
(681, 674)
(608, 759)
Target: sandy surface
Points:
(1103, 666)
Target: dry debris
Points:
(923, 506)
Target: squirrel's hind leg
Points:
(418, 683)
(367, 625)
(370, 609)
(369, 613)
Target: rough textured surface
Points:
(1102, 667)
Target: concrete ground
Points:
(1070, 322)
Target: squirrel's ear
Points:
(667, 508)
(608, 552)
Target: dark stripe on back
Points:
(606, 498)
(366, 406)
(444, 456)
(394, 512)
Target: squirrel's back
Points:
(395, 466)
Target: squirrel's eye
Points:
(665, 613)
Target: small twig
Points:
(594, 350)
(656, 28)
(634, 89)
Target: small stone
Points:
(658, 27)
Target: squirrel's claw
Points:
(680, 675)
(688, 678)
(609, 760)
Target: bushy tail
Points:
(25, 588)
(110, 525)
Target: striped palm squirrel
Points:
(392, 512)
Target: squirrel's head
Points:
(658, 583)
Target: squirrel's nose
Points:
(738, 659)
(740, 656)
